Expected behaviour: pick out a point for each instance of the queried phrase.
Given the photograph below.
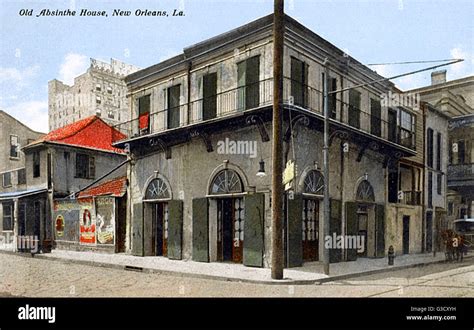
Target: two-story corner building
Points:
(200, 146)
(99, 91)
(61, 163)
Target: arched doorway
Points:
(230, 215)
(365, 198)
(312, 193)
(157, 196)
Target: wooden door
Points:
(310, 230)
(363, 228)
(230, 229)
(160, 229)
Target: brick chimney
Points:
(438, 77)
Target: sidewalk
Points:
(310, 273)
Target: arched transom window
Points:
(157, 189)
(365, 192)
(314, 183)
(226, 182)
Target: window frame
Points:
(17, 145)
(5, 206)
(5, 175)
(87, 170)
(36, 164)
(22, 176)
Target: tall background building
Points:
(99, 91)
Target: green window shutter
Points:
(352, 227)
(335, 255)
(254, 227)
(295, 231)
(175, 229)
(252, 97)
(137, 230)
(380, 230)
(200, 230)
(241, 78)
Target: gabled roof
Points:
(115, 188)
(91, 132)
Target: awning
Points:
(21, 194)
(116, 188)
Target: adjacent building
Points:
(14, 135)
(199, 146)
(455, 99)
(99, 91)
(59, 166)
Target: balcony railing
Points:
(461, 172)
(411, 197)
(220, 105)
(260, 94)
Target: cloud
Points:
(33, 114)
(72, 66)
(13, 79)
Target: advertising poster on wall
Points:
(105, 216)
(87, 222)
(66, 221)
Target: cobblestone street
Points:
(33, 277)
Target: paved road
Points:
(30, 277)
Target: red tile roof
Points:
(115, 187)
(91, 132)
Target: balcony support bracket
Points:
(304, 120)
(204, 137)
(155, 142)
(257, 120)
(343, 135)
(371, 145)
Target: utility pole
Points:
(327, 213)
(277, 146)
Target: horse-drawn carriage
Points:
(459, 240)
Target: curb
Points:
(225, 278)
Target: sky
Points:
(35, 50)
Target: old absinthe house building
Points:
(191, 200)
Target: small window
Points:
(429, 147)
(450, 208)
(85, 166)
(36, 165)
(109, 90)
(21, 176)
(7, 216)
(7, 179)
(98, 100)
(14, 146)
(98, 88)
(98, 112)
(110, 114)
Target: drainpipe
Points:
(343, 205)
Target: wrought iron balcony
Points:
(411, 197)
(460, 172)
(258, 95)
